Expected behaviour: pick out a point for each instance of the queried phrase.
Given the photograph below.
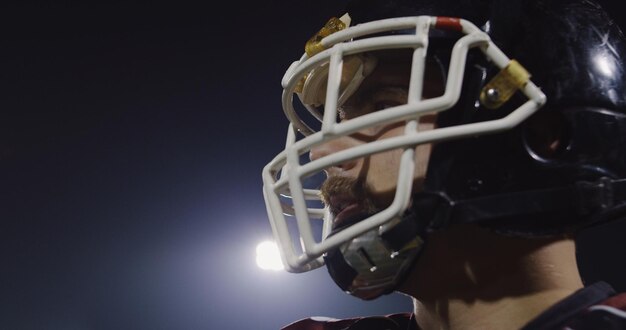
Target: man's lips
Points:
(347, 212)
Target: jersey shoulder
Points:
(399, 321)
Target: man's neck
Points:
(471, 278)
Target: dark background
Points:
(132, 138)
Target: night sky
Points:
(132, 139)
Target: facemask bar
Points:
(292, 173)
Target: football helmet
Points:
(528, 137)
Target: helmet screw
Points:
(493, 95)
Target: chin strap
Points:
(388, 259)
(542, 211)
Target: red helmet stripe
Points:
(448, 23)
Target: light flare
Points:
(268, 256)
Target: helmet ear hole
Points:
(546, 135)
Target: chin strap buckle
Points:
(607, 196)
(602, 194)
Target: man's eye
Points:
(384, 105)
(345, 113)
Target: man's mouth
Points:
(347, 200)
(346, 212)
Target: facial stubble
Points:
(354, 189)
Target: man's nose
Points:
(332, 147)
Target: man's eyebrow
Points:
(381, 87)
(375, 90)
